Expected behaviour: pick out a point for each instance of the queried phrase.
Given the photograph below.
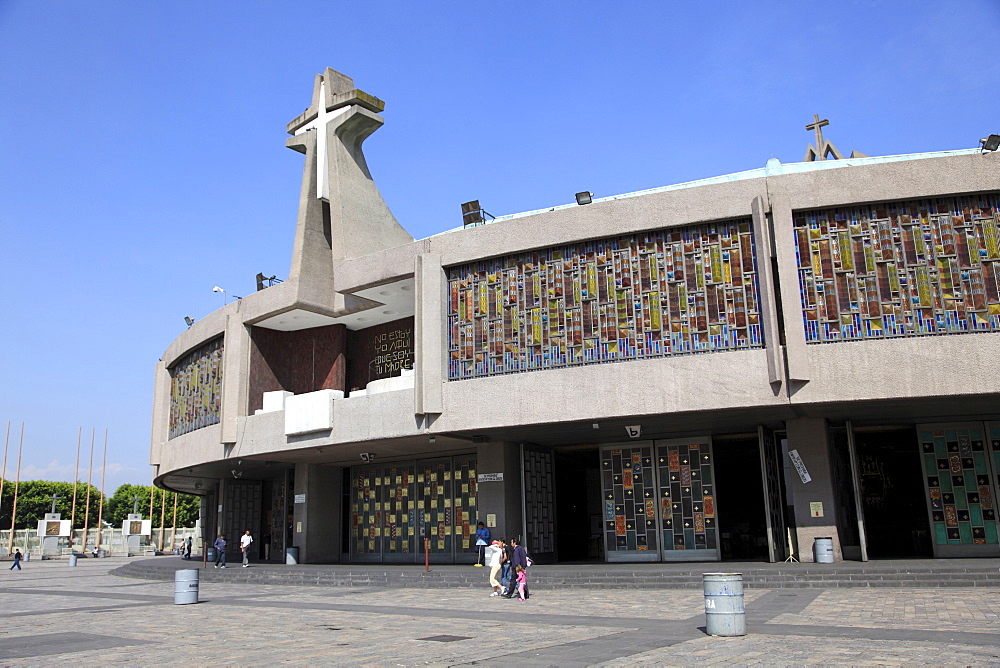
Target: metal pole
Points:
(173, 529)
(100, 507)
(152, 486)
(76, 477)
(17, 482)
(90, 474)
(3, 472)
(163, 513)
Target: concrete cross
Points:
(318, 125)
(135, 505)
(54, 498)
(817, 125)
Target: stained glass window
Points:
(894, 269)
(653, 294)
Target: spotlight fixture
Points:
(586, 197)
(237, 473)
(432, 440)
(189, 320)
(261, 278)
(597, 426)
(990, 143)
(473, 214)
(218, 289)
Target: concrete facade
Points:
(351, 257)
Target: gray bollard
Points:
(724, 611)
(185, 587)
(823, 550)
(72, 560)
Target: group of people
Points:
(508, 564)
(220, 550)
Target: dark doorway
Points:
(739, 492)
(892, 493)
(578, 505)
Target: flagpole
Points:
(76, 477)
(90, 475)
(163, 514)
(173, 529)
(3, 473)
(100, 507)
(17, 482)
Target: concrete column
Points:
(161, 412)
(318, 519)
(810, 438)
(235, 373)
(431, 327)
(768, 304)
(502, 498)
(788, 282)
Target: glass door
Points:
(628, 479)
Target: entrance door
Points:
(538, 482)
(394, 506)
(774, 495)
(687, 489)
(959, 466)
(892, 495)
(631, 501)
(578, 505)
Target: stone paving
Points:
(53, 613)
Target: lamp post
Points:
(218, 289)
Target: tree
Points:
(121, 503)
(34, 499)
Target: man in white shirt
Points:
(245, 541)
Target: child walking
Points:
(522, 580)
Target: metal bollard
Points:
(724, 611)
(72, 560)
(292, 556)
(185, 587)
(823, 550)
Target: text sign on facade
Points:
(300, 498)
(816, 509)
(393, 351)
(490, 477)
(799, 466)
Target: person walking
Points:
(245, 541)
(522, 581)
(220, 551)
(17, 560)
(519, 557)
(494, 555)
(482, 540)
(187, 548)
(505, 563)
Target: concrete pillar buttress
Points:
(501, 498)
(810, 438)
(317, 520)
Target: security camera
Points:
(237, 473)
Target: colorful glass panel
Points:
(687, 496)
(895, 269)
(959, 486)
(629, 499)
(196, 389)
(653, 294)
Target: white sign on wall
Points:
(300, 498)
(799, 466)
(490, 477)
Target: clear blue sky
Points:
(143, 157)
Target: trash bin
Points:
(292, 556)
(724, 611)
(185, 587)
(101, 553)
(212, 554)
(72, 560)
(823, 550)
(27, 556)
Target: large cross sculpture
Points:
(318, 124)
(817, 126)
(54, 498)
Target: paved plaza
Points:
(54, 613)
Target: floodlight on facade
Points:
(586, 197)
(990, 143)
(189, 320)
